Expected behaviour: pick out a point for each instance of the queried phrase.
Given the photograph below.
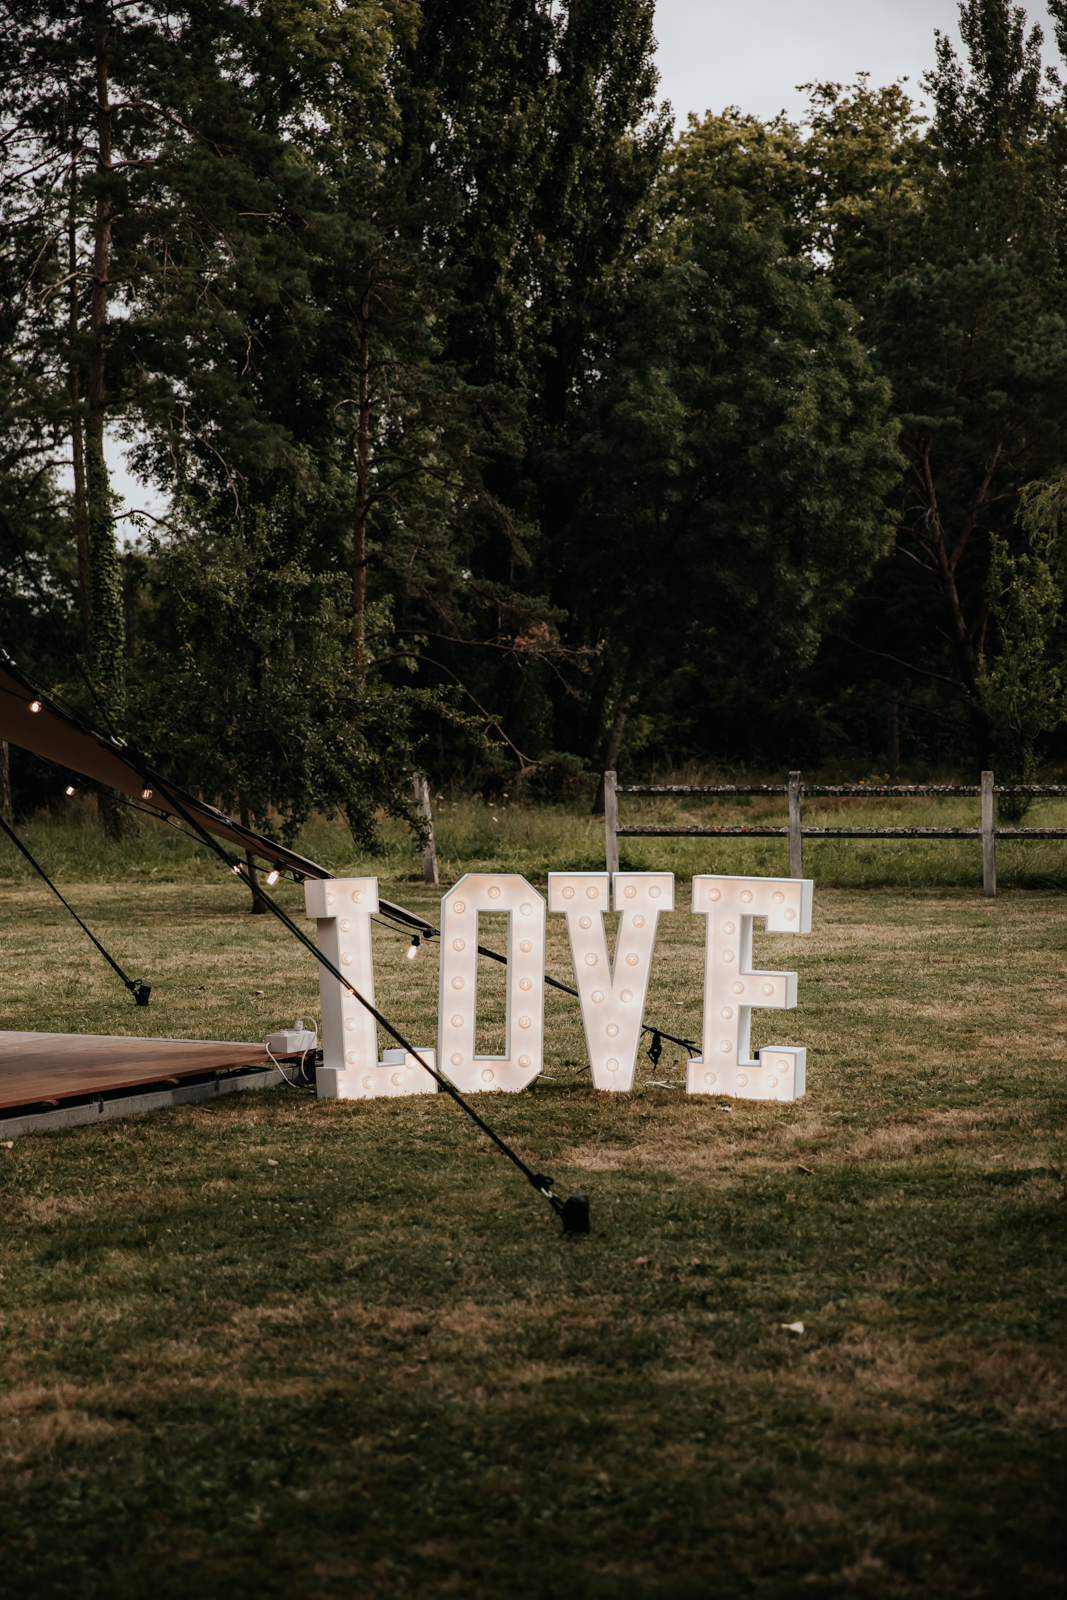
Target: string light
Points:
(273, 876)
(413, 948)
(35, 705)
(146, 794)
(69, 789)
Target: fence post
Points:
(989, 839)
(611, 822)
(796, 838)
(429, 855)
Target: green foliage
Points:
(248, 691)
(1022, 689)
(537, 132)
(970, 326)
(107, 633)
(948, 242)
(733, 465)
(605, 427)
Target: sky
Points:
(753, 54)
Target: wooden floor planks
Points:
(37, 1067)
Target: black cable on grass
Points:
(138, 988)
(411, 919)
(572, 1220)
(408, 919)
(575, 1216)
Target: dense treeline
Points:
(506, 434)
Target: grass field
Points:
(281, 1347)
(473, 835)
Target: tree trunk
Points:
(107, 633)
(129, 605)
(363, 458)
(611, 750)
(967, 641)
(77, 435)
(259, 908)
(7, 810)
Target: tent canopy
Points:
(58, 737)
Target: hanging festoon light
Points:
(69, 789)
(273, 875)
(35, 705)
(413, 948)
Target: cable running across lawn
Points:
(427, 929)
(539, 1181)
(138, 988)
(398, 913)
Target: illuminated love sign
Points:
(612, 991)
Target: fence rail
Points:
(796, 791)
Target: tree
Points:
(1021, 687)
(535, 130)
(964, 314)
(149, 156)
(733, 464)
(248, 692)
(948, 244)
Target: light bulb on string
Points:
(35, 705)
(272, 876)
(413, 948)
(69, 789)
(146, 794)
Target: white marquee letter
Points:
(342, 909)
(732, 989)
(612, 995)
(525, 1025)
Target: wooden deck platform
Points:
(48, 1068)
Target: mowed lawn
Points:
(275, 1346)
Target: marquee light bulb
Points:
(146, 794)
(413, 948)
(69, 789)
(273, 876)
(35, 705)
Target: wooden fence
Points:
(796, 791)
